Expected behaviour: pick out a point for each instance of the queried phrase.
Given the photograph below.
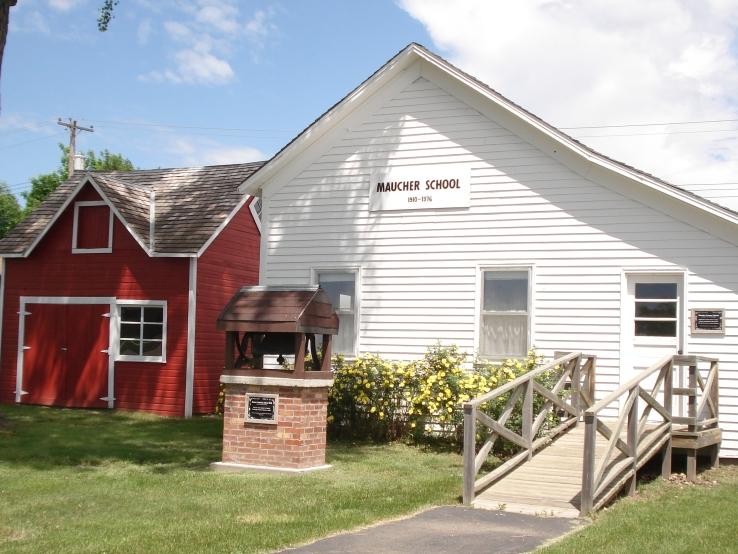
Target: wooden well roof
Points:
(280, 310)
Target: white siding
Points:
(419, 268)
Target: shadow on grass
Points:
(47, 438)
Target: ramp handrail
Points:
(622, 459)
(703, 408)
(577, 371)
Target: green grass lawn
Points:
(88, 481)
(666, 516)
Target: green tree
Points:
(45, 184)
(5, 6)
(10, 210)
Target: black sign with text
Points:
(261, 408)
(708, 321)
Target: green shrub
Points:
(383, 400)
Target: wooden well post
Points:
(275, 419)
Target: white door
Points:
(652, 323)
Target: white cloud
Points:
(64, 5)
(594, 62)
(260, 27)
(178, 31)
(207, 34)
(193, 66)
(18, 122)
(143, 32)
(221, 16)
(195, 151)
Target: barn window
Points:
(142, 331)
(504, 326)
(341, 289)
(92, 231)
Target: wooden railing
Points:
(621, 460)
(701, 392)
(700, 424)
(575, 370)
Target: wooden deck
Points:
(551, 482)
(586, 459)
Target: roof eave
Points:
(325, 122)
(414, 52)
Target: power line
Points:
(196, 127)
(662, 133)
(651, 124)
(7, 147)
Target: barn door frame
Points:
(112, 336)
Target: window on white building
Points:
(505, 320)
(656, 309)
(142, 332)
(341, 289)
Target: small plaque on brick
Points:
(708, 321)
(262, 408)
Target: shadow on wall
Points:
(526, 208)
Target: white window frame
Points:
(91, 203)
(256, 214)
(675, 301)
(356, 271)
(143, 304)
(481, 270)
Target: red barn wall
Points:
(126, 273)
(230, 262)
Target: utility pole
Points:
(73, 128)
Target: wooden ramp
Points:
(551, 482)
(586, 458)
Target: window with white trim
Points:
(92, 230)
(504, 323)
(341, 289)
(142, 332)
(656, 309)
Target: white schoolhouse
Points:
(432, 208)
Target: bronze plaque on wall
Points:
(708, 321)
(262, 408)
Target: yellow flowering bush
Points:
(390, 400)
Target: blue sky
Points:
(183, 83)
(284, 64)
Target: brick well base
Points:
(297, 441)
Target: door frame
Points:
(112, 336)
(626, 334)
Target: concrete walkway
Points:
(448, 529)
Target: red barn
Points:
(111, 289)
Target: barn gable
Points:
(169, 212)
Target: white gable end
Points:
(419, 270)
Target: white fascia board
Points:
(86, 180)
(350, 118)
(329, 120)
(225, 223)
(118, 215)
(573, 145)
(172, 254)
(413, 53)
(50, 224)
(256, 217)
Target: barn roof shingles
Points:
(190, 204)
